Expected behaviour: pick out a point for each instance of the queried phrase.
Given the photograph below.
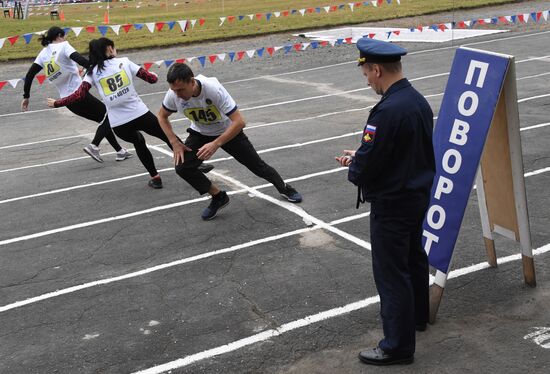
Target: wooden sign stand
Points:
(500, 188)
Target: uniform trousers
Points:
(239, 147)
(93, 109)
(401, 270)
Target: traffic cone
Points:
(62, 16)
(106, 18)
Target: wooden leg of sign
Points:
(491, 253)
(436, 293)
(529, 271)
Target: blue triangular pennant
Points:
(171, 24)
(434, 27)
(293, 11)
(534, 16)
(514, 18)
(241, 18)
(27, 37)
(231, 55)
(260, 51)
(318, 10)
(103, 29)
(138, 26)
(66, 29)
(314, 45)
(202, 60)
(267, 16)
(339, 41)
(168, 62)
(288, 48)
(341, 6)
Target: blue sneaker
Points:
(218, 202)
(291, 194)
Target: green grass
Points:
(158, 11)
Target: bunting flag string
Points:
(158, 26)
(540, 16)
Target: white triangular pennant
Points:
(449, 25)
(115, 28)
(2, 42)
(508, 18)
(221, 56)
(327, 9)
(302, 12)
(159, 62)
(374, 3)
(545, 15)
(277, 14)
(189, 59)
(250, 16)
(150, 26)
(138, 6)
(77, 30)
(250, 53)
(332, 42)
(351, 6)
(183, 25)
(526, 17)
(305, 45)
(13, 82)
(275, 49)
(222, 20)
(487, 20)
(468, 23)
(193, 21)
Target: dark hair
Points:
(179, 72)
(97, 55)
(390, 67)
(51, 35)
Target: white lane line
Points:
(532, 98)
(145, 211)
(46, 141)
(533, 76)
(171, 264)
(535, 126)
(309, 320)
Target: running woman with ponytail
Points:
(60, 59)
(128, 115)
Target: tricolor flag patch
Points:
(369, 133)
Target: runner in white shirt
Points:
(215, 123)
(114, 79)
(59, 60)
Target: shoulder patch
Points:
(208, 101)
(369, 134)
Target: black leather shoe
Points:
(421, 327)
(377, 356)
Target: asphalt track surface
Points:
(101, 274)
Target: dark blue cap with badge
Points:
(378, 52)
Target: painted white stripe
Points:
(145, 211)
(534, 126)
(532, 98)
(46, 141)
(533, 76)
(306, 321)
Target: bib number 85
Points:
(115, 82)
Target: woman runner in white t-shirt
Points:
(59, 60)
(128, 115)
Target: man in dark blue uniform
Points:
(394, 169)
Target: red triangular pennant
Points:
(147, 65)
(240, 55)
(286, 13)
(2, 84)
(202, 21)
(333, 8)
(521, 18)
(310, 10)
(324, 43)
(501, 19)
(259, 15)
(380, 2)
(442, 27)
(397, 32)
(159, 25)
(298, 46)
(180, 60)
(348, 40)
(90, 29)
(230, 18)
(372, 35)
(13, 39)
(126, 28)
(40, 78)
(270, 50)
(481, 22)
(420, 28)
(212, 58)
(461, 25)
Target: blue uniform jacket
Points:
(395, 161)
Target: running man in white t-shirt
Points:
(216, 122)
(128, 115)
(59, 60)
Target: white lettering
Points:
(430, 238)
(444, 185)
(462, 103)
(441, 217)
(483, 67)
(457, 161)
(459, 131)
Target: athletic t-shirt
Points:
(115, 84)
(209, 112)
(59, 68)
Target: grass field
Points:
(92, 14)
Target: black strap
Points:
(360, 197)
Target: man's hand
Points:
(51, 102)
(179, 150)
(346, 158)
(25, 105)
(207, 151)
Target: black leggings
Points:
(93, 109)
(239, 147)
(130, 132)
